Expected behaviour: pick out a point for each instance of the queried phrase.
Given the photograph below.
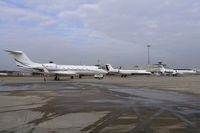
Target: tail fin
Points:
(20, 58)
(109, 67)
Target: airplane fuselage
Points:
(52, 68)
(125, 72)
(133, 72)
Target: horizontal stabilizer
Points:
(14, 52)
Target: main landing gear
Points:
(123, 76)
(57, 77)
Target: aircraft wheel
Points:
(55, 77)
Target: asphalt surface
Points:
(90, 107)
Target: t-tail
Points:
(23, 62)
(20, 58)
(109, 67)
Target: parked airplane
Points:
(168, 71)
(172, 72)
(124, 73)
(186, 71)
(162, 69)
(24, 63)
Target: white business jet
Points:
(24, 63)
(124, 73)
(168, 71)
(162, 69)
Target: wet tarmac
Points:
(89, 107)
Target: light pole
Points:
(148, 47)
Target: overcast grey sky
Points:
(113, 31)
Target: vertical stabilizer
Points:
(20, 58)
(109, 67)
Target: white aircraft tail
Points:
(109, 67)
(20, 58)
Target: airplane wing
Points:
(63, 72)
